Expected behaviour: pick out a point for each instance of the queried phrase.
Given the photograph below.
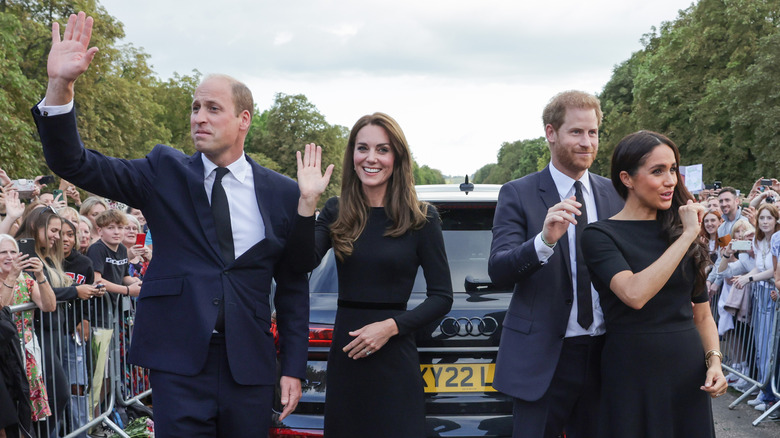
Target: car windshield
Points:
(466, 228)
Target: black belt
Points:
(371, 305)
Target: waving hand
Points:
(69, 57)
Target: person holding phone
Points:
(733, 303)
(647, 264)
(17, 286)
(761, 281)
(731, 212)
(138, 255)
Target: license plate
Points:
(458, 377)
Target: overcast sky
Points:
(460, 77)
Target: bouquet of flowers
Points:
(142, 427)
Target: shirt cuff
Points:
(54, 110)
(543, 251)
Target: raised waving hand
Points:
(69, 57)
(311, 181)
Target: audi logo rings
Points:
(473, 326)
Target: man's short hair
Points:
(242, 95)
(731, 190)
(555, 111)
(109, 217)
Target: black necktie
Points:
(584, 304)
(221, 212)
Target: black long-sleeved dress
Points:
(382, 395)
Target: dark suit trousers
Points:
(571, 402)
(210, 404)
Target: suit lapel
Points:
(550, 196)
(603, 204)
(263, 194)
(200, 202)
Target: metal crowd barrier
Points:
(85, 371)
(749, 341)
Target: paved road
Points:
(738, 422)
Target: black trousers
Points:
(210, 404)
(572, 401)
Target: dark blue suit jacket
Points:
(187, 278)
(538, 313)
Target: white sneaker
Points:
(732, 378)
(760, 407)
(755, 402)
(743, 386)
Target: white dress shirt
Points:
(239, 184)
(565, 186)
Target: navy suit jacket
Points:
(535, 323)
(187, 278)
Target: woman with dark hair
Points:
(76, 354)
(648, 263)
(380, 234)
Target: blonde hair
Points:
(89, 203)
(744, 226)
(69, 213)
(3, 238)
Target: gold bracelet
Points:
(709, 355)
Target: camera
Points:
(25, 187)
(770, 199)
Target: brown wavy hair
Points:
(401, 204)
(760, 235)
(703, 232)
(630, 154)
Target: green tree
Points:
(425, 175)
(290, 123)
(707, 80)
(175, 98)
(481, 175)
(20, 153)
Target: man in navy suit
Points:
(203, 313)
(549, 356)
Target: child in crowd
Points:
(109, 258)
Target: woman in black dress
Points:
(647, 263)
(380, 234)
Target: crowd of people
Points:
(48, 254)
(609, 332)
(740, 232)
